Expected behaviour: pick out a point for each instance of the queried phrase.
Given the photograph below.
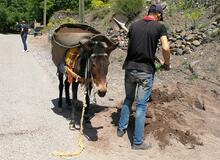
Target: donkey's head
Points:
(99, 49)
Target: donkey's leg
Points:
(87, 109)
(60, 103)
(67, 86)
(74, 105)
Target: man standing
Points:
(24, 33)
(144, 36)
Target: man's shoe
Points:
(120, 133)
(142, 146)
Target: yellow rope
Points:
(81, 140)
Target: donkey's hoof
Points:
(72, 125)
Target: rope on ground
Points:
(81, 140)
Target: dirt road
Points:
(30, 128)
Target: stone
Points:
(172, 39)
(188, 43)
(187, 50)
(196, 43)
(178, 30)
(214, 23)
(183, 34)
(189, 38)
(204, 35)
(172, 45)
(178, 43)
(183, 47)
(179, 51)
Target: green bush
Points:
(194, 15)
(129, 8)
(54, 23)
(95, 4)
(100, 13)
(3, 19)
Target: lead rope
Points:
(81, 140)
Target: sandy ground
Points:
(183, 124)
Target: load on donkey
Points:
(82, 54)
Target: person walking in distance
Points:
(24, 33)
(144, 36)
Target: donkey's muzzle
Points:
(101, 93)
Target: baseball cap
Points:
(156, 8)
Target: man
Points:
(144, 36)
(24, 33)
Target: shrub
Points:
(99, 4)
(129, 8)
(194, 15)
(54, 23)
(3, 19)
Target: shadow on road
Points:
(89, 131)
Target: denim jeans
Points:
(137, 84)
(24, 38)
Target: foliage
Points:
(54, 23)
(3, 19)
(100, 13)
(194, 15)
(127, 7)
(215, 33)
(13, 11)
(99, 4)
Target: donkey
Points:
(93, 66)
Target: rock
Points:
(187, 50)
(183, 47)
(199, 103)
(217, 19)
(199, 37)
(196, 43)
(188, 43)
(172, 45)
(211, 27)
(204, 35)
(178, 37)
(214, 23)
(214, 32)
(189, 38)
(172, 39)
(178, 43)
(178, 30)
(184, 41)
(179, 51)
(183, 34)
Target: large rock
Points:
(189, 38)
(196, 43)
(179, 51)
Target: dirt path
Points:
(184, 124)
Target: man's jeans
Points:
(140, 83)
(24, 38)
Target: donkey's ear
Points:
(112, 47)
(85, 45)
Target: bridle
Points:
(99, 54)
(88, 73)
